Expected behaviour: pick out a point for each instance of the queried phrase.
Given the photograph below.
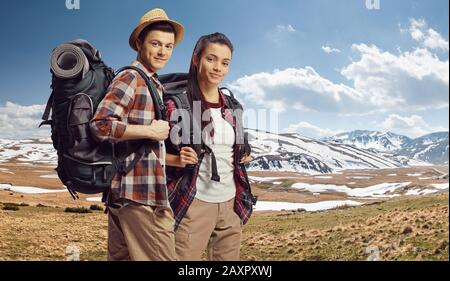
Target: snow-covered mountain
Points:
(292, 152)
(39, 151)
(371, 140)
(432, 148)
(284, 152)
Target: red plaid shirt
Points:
(182, 189)
(128, 101)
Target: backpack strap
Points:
(247, 150)
(181, 101)
(48, 107)
(160, 108)
(234, 104)
(227, 92)
(141, 152)
(230, 100)
(47, 110)
(214, 173)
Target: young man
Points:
(140, 220)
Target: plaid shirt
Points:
(182, 188)
(128, 101)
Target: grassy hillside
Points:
(402, 229)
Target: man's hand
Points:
(159, 130)
(187, 156)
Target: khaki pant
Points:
(212, 226)
(141, 233)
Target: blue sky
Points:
(325, 66)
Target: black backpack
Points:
(175, 85)
(84, 164)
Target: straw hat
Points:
(155, 15)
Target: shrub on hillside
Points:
(81, 210)
(10, 207)
(96, 208)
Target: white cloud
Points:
(409, 80)
(427, 37)
(413, 126)
(381, 81)
(17, 121)
(280, 33)
(309, 130)
(327, 49)
(276, 106)
(285, 28)
(296, 88)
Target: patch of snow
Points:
(379, 190)
(50, 176)
(310, 207)
(94, 199)
(267, 179)
(420, 192)
(417, 162)
(29, 189)
(429, 147)
(440, 185)
(28, 151)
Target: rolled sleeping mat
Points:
(68, 61)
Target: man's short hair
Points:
(161, 26)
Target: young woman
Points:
(213, 200)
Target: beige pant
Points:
(141, 233)
(212, 226)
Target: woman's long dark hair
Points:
(193, 90)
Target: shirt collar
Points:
(139, 65)
(152, 75)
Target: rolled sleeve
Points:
(109, 122)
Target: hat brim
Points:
(179, 31)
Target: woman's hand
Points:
(188, 156)
(246, 159)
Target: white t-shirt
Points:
(222, 146)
